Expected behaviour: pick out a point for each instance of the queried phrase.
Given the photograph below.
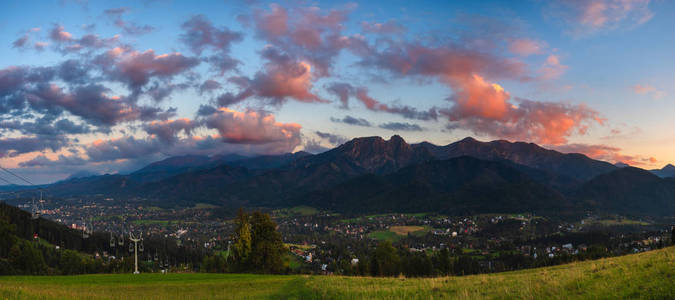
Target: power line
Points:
(17, 176)
(5, 180)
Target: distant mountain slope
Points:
(630, 191)
(460, 185)
(207, 186)
(108, 185)
(170, 167)
(267, 162)
(572, 165)
(667, 171)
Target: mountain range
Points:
(371, 174)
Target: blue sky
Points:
(589, 76)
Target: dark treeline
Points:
(40, 246)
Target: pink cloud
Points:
(648, 90)
(282, 78)
(58, 34)
(552, 68)
(292, 79)
(607, 153)
(137, 68)
(526, 47)
(307, 34)
(593, 15)
(254, 127)
(480, 105)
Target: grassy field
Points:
(649, 275)
(614, 222)
(296, 211)
(396, 232)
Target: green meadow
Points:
(649, 275)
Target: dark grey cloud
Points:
(209, 86)
(342, 90)
(73, 71)
(15, 146)
(127, 27)
(45, 126)
(205, 110)
(200, 35)
(167, 131)
(397, 126)
(61, 161)
(352, 121)
(21, 42)
(332, 138)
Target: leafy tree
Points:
(214, 264)
(25, 258)
(70, 262)
(242, 239)
(267, 247)
(386, 260)
(7, 236)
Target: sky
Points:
(94, 87)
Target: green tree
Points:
(267, 247)
(242, 240)
(444, 264)
(7, 236)
(70, 262)
(26, 259)
(386, 260)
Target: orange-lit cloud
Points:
(253, 127)
(608, 153)
(485, 108)
(475, 97)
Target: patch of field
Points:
(615, 222)
(155, 222)
(397, 232)
(301, 246)
(204, 206)
(649, 275)
(384, 235)
(296, 211)
(404, 230)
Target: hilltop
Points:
(644, 275)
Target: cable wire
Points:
(17, 176)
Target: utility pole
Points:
(135, 240)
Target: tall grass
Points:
(649, 275)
